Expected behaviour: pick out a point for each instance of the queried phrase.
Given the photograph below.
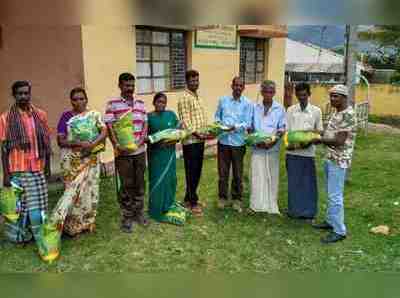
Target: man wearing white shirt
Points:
(300, 164)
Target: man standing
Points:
(129, 165)
(26, 149)
(339, 137)
(234, 111)
(268, 117)
(192, 114)
(300, 164)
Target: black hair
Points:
(77, 90)
(302, 87)
(126, 76)
(191, 74)
(18, 84)
(159, 95)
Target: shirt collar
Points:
(274, 105)
(234, 100)
(307, 108)
(191, 93)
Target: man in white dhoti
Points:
(268, 116)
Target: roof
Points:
(306, 57)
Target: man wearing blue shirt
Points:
(233, 111)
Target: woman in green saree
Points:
(162, 167)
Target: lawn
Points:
(224, 241)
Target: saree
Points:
(162, 173)
(76, 211)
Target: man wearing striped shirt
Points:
(129, 165)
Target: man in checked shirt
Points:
(192, 114)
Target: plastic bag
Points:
(83, 130)
(299, 138)
(168, 135)
(49, 242)
(259, 137)
(10, 202)
(176, 215)
(124, 131)
(214, 130)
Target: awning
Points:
(263, 31)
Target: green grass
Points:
(224, 241)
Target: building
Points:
(57, 58)
(313, 64)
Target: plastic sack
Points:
(169, 135)
(124, 131)
(176, 215)
(299, 138)
(259, 137)
(83, 130)
(214, 130)
(10, 202)
(49, 242)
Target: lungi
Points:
(34, 204)
(302, 186)
(264, 181)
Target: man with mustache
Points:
(25, 144)
(339, 137)
(129, 165)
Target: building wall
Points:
(107, 52)
(217, 67)
(49, 57)
(384, 99)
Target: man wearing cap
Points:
(339, 137)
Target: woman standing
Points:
(76, 210)
(162, 167)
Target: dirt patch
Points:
(383, 128)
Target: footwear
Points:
(323, 226)
(197, 211)
(222, 204)
(141, 220)
(187, 205)
(92, 228)
(332, 237)
(237, 206)
(126, 226)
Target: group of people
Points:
(26, 151)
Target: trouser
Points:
(230, 156)
(193, 156)
(334, 183)
(130, 170)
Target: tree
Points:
(387, 40)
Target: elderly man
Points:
(339, 137)
(25, 139)
(300, 164)
(233, 111)
(268, 116)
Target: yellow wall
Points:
(107, 52)
(217, 67)
(384, 99)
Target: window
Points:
(252, 59)
(160, 60)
